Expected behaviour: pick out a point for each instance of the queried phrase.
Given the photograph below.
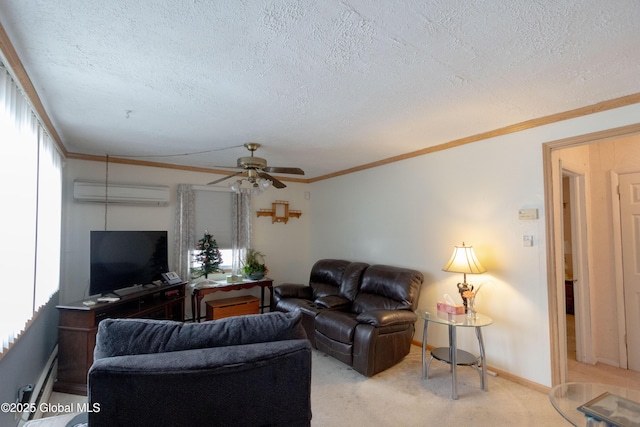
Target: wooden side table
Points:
(236, 306)
(199, 290)
(451, 354)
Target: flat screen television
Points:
(122, 259)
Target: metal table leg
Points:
(483, 377)
(453, 350)
(424, 350)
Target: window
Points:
(226, 254)
(213, 213)
(31, 187)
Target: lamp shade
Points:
(464, 260)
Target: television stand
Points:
(132, 289)
(78, 326)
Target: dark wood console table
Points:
(78, 326)
(198, 291)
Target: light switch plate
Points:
(527, 240)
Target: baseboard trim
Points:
(506, 375)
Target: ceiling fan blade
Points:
(223, 167)
(274, 182)
(276, 169)
(225, 178)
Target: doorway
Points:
(553, 175)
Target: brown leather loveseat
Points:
(363, 315)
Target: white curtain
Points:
(184, 239)
(31, 187)
(241, 227)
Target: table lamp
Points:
(464, 261)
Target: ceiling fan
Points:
(256, 170)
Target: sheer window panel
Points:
(213, 212)
(48, 235)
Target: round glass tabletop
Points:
(432, 314)
(566, 398)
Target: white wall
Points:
(285, 245)
(412, 213)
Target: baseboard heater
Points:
(42, 390)
(124, 194)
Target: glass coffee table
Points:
(566, 398)
(451, 354)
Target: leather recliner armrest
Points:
(293, 290)
(333, 302)
(379, 318)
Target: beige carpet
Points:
(399, 397)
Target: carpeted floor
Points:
(399, 397)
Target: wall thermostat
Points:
(527, 214)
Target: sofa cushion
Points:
(118, 337)
(351, 279)
(387, 287)
(381, 318)
(205, 387)
(326, 276)
(336, 325)
(339, 350)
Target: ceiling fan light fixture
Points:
(236, 185)
(257, 172)
(258, 185)
(264, 183)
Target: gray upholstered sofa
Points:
(363, 315)
(242, 371)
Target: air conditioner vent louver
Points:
(124, 194)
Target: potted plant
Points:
(253, 266)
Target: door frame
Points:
(553, 232)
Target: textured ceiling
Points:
(323, 85)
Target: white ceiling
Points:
(323, 85)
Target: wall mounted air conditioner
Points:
(124, 194)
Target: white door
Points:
(630, 224)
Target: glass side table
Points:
(566, 398)
(451, 354)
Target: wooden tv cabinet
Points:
(78, 325)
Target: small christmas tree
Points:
(208, 257)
